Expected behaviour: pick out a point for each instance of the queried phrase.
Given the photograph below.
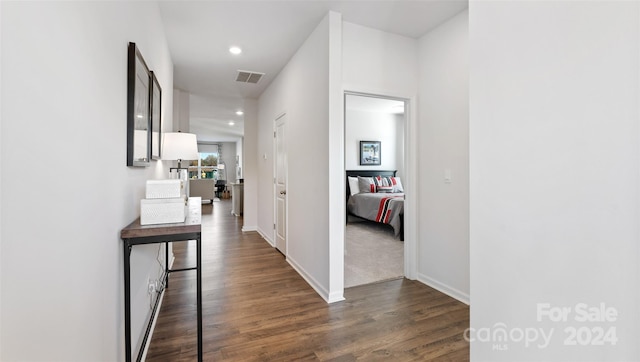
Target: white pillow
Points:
(353, 185)
(397, 187)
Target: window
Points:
(205, 167)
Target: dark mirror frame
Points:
(136, 88)
(156, 122)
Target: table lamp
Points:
(178, 146)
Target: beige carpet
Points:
(372, 254)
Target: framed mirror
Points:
(138, 109)
(156, 124)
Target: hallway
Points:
(257, 308)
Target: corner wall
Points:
(250, 163)
(555, 175)
(70, 193)
(301, 90)
(1, 178)
(443, 149)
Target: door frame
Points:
(410, 169)
(275, 191)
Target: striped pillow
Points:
(385, 182)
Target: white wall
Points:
(301, 90)
(1, 178)
(70, 193)
(400, 144)
(373, 126)
(239, 147)
(181, 110)
(443, 133)
(251, 160)
(554, 173)
(229, 159)
(375, 61)
(337, 191)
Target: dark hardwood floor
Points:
(257, 308)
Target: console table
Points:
(136, 234)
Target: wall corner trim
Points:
(312, 282)
(263, 234)
(444, 288)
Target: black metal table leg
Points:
(199, 293)
(166, 265)
(127, 299)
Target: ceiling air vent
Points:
(248, 76)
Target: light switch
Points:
(264, 155)
(447, 176)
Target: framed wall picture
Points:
(370, 153)
(156, 123)
(138, 109)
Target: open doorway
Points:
(374, 168)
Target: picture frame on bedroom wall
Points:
(370, 153)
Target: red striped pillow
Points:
(394, 182)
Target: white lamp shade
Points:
(179, 146)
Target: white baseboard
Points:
(155, 318)
(336, 297)
(267, 238)
(324, 294)
(328, 297)
(249, 228)
(153, 327)
(444, 288)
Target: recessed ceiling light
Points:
(235, 50)
(239, 113)
(231, 123)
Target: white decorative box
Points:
(162, 211)
(165, 189)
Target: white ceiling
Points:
(373, 104)
(269, 32)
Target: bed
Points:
(382, 207)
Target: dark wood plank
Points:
(257, 308)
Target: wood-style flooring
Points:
(257, 308)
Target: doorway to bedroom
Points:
(374, 167)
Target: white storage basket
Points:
(162, 211)
(165, 189)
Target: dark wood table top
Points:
(192, 224)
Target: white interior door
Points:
(281, 184)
